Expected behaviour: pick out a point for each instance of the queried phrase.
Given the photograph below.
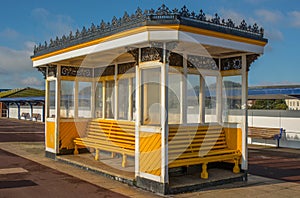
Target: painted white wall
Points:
(288, 120)
(13, 110)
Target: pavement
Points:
(25, 172)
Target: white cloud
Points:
(32, 81)
(13, 60)
(256, 1)
(270, 16)
(295, 18)
(274, 34)
(53, 24)
(9, 33)
(16, 69)
(236, 17)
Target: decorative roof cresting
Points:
(151, 16)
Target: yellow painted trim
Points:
(153, 28)
(125, 76)
(50, 135)
(74, 78)
(221, 35)
(106, 78)
(94, 42)
(231, 72)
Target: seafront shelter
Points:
(152, 89)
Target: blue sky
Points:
(25, 23)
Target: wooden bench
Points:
(265, 133)
(111, 136)
(36, 116)
(193, 145)
(25, 116)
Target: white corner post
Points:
(116, 110)
(219, 95)
(76, 98)
(103, 99)
(183, 92)
(164, 117)
(93, 98)
(137, 115)
(202, 100)
(57, 107)
(130, 101)
(244, 124)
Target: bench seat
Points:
(265, 133)
(111, 136)
(193, 145)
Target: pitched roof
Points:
(22, 92)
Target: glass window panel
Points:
(99, 100)
(84, 99)
(193, 90)
(232, 99)
(210, 98)
(151, 110)
(123, 99)
(174, 98)
(52, 95)
(109, 99)
(232, 92)
(67, 99)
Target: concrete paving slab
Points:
(287, 184)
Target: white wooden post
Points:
(183, 92)
(130, 90)
(93, 98)
(57, 108)
(76, 99)
(137, 115)
(164, 118)
(244, 124)
(202, 100)
(116, 91)
(47, 97)
(219, 97)
(145, 102)
(103, 99)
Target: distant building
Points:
(293, 104)
(3, 108)
(289, 93)
(23, 103)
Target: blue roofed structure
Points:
(274, 92)
(12, 98)
(262, 92)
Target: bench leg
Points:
(76, 150)
(113, 154)
(236, 168)
(97, 154)
(204, 173)
(92, 150)
(124, 161)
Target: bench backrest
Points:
(194, 140)
(264, 131)
(121, 133)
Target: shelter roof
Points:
(162, 16)
(22, 92)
